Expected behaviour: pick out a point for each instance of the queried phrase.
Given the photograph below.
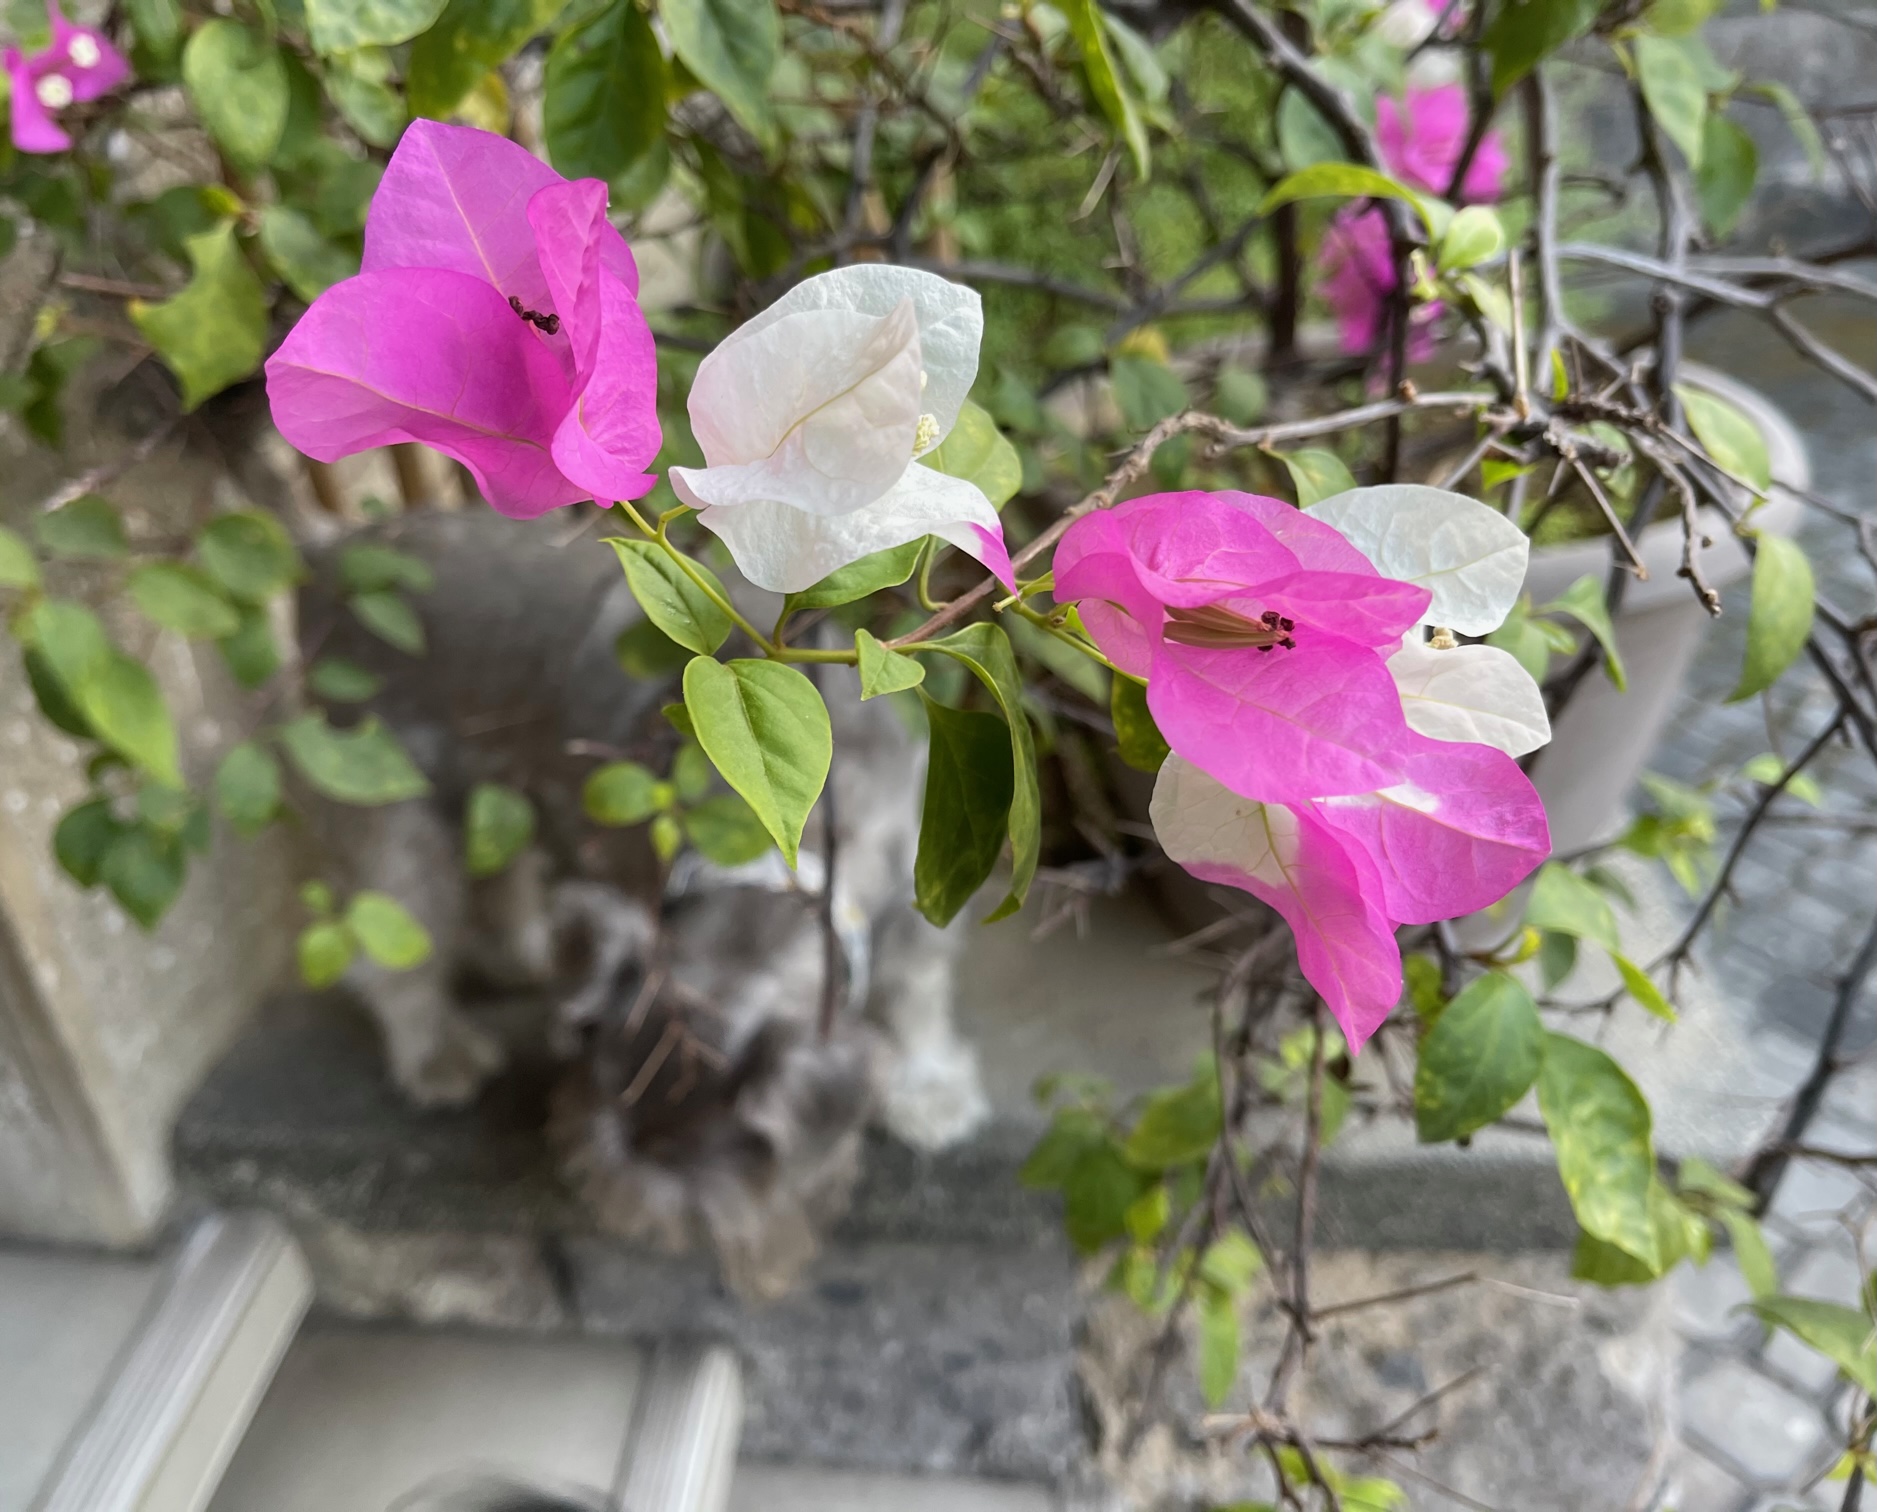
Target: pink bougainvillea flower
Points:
(1439, 822)
(812, 417)
(1420, 140)
(1264, 650)
(79, 65)
(495, 319)
(1458, 835)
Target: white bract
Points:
(811, 417)
(1472, 560)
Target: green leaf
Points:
(238, 85)
(250, 652)
(123, 705)
(498, 823)
(979, 453)
(343, 26)
(1146, 390)
(1111, 95)
(390, 617)
(1584, 602)
(669, 597)
(1179, 1125)
(968, 784)
(364, 765)
(732, 47)
(325, 951)
(341, 681)
(250, 555)
(620, 793)
(84, 837)
(1147, 1215)
(884, 671)
(1240, 395)
(1479, 1059)
(1842, 1334)
(1751, 1253)
(1218, 1346)
(88, 528)
(604, 109)
(1728, 434)
(1679, 1233)
(1096, 1195)
(1137, 736)
(18, 567)
(1524, 32)
(359, 84)
(884, 569)
(1317, 475)
(1474, 236)
(1072, 1133)
(470, 38)
(1673, 90)
(644, 651)
(214, 332)
(144, 870)
(1563, 901)
(183, 599)
(765, 728)
(1679, 18)
(1345, 181)
(1780, 620)
(158, 27)
(370, 568)
(306, 261)
(1637, 984)
(726, 830)
(386, 931)
(247, 787)
(1600, 1126)
(1231, 1263)
(1797, 118)
(985, 650)
(1729, 165)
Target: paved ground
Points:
(1760, 1417)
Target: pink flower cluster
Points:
(79, 65)
(1265, 640)
(1420, 141)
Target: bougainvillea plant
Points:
(1182, 387)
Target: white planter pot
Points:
(1603, 740)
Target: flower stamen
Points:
(548, 324)
(1215, 627)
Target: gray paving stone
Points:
(1696, 1484)
(1813, 1194)
(1740, 1417)
(1705, 1300)
(1829, 1271)
(1799, 1366)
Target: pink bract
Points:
(1420, 140)
(1295, 774)
(1196, 594)
(78, 65)
(495, 319)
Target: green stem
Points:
(1044, 622)
(926, 558)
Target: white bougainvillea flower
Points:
(1472, 560)
(811, 418)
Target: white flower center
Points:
(84, 51)
(54, 91)
(926, 436)
(1442, 639)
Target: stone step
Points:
(366, 1419)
